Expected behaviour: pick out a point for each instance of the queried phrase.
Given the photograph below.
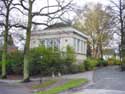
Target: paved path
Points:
(107, 80)
(13, 89)
(88, 75)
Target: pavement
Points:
(14, 87)
(108, 80)
(6, 88)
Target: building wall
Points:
(65, 40)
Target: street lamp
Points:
(41, 57)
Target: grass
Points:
(70, 84)
(44, 84)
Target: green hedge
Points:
(52, 60)
(90, 63)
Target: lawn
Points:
(68, 85)
(44, 84)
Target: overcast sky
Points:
(82, 2)
(77, 2)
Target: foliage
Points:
(15, 62)
(0, 66)
(114, 61)
(0, 55)
(70, 55)
(76, 68)
(70, 84)
(52, 61)
(95, 21)
(90, 63)
(45, 60)
(102, 62)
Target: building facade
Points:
(61, 37)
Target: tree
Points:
(28, 11)
(5, 7)
(118, 12)
(96, 23)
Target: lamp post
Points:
(41, 57)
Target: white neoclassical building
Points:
(61, 36)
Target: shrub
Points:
(0, 66)
(114, 61)
(44, 61)
(0, 55)
(102, 62)
(74, 68)
(117, 62)
(15, 62)
(90, 64)
(52, 60)
(81, 67)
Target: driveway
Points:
(13, 89)
(108, 80)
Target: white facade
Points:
(61, 38)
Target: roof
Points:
(59, 28)
(58, 25)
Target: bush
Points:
(52, 60)
(117, 62)
(114, 61)
(0, 66)
(81, 67)
(0, 55)
(15, 63)
(102, 62)
(90, 64)
(44, 61)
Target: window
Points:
(75, 44)
(78, 45)
(85, 47)
(56, 43)
(42, 42)
(82, 46)
(51, 42)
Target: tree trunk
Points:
(27, 45)
(122, 37)
(4, 54)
